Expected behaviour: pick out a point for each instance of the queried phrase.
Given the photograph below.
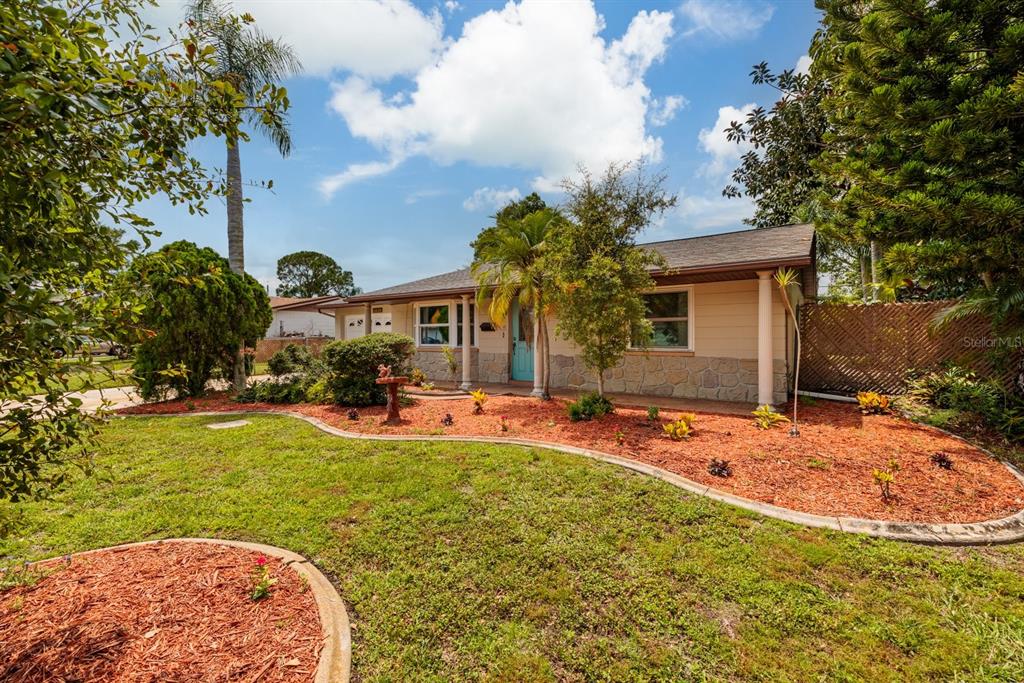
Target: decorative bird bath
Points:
(392, 383)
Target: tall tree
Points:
(194, 328)
(509, 266)
(310, 273)
(601, 273)
(90, 127)
(254, 64)
(927, 134)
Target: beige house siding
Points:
(722, 365)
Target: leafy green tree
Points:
(198, 314)
(777, 173)
(926, 140)
(510, 213)
(510, 266)
(254, 64)
(601, 271)
(310, 273)
(89, 128)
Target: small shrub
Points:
(447, 420)
(504, 423)
(449, 360)
(872, 402)
(819, 464)
(589, 406)
(479, 399)
(353, 414)
(681, 428)
(620, 437)
(942, 460)
(271, 391)
(417, 377)
(885, 477)
(351, 366)
(719, 468)
(292, 358)
(652, 413)
(427, 386)
(766, 418)
(318, 392)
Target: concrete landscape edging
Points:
(335, 665)
(990, 532)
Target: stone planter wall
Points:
(723, 379)
(432, 363)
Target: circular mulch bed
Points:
(827, 471)
(176, 611)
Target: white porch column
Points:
(765, 360)
(367, 319)
(538, 362)
(467, 336)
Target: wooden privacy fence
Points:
(265, 348)
(872, 347)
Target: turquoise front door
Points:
(522, 343)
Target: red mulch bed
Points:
(826, 471)
(175, 611)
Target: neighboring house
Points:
(299, 317)
(720, 329)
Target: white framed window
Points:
(670, 311)
(436, 326)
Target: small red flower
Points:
(261, 561)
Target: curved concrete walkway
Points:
(1006, 530)
(335, 664)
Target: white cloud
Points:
(373, 38)
(451, 6)
(725, 19)
(724, 153)
(703, 213)
(414, 197)
(664, 110)
(531, 86)
(355, 172)
(803, 65)
(491, 198)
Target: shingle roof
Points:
(782, 245)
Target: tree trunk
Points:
(547, 357)
(865, 285)
(236, 241)
(875, 258)
(600, 382)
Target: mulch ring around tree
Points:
(828, 470)
(174, 611)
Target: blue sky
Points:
(414, 121)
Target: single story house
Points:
(299, 317)
(720, 328)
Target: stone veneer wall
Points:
(493, 367)
(432, 363)
(724, 379)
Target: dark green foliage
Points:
(927, 139)
(310, 273)
(90, 127)
(198, 314)
(942, 460)
(777, 173)
(292, 358)
(352, 366)
(271, 391)
(589, 406)
(959, 390)
(511, 213)
(719, 468)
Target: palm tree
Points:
(784, 278)
(250, 61)
(510, 266)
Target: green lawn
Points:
(473, 562)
